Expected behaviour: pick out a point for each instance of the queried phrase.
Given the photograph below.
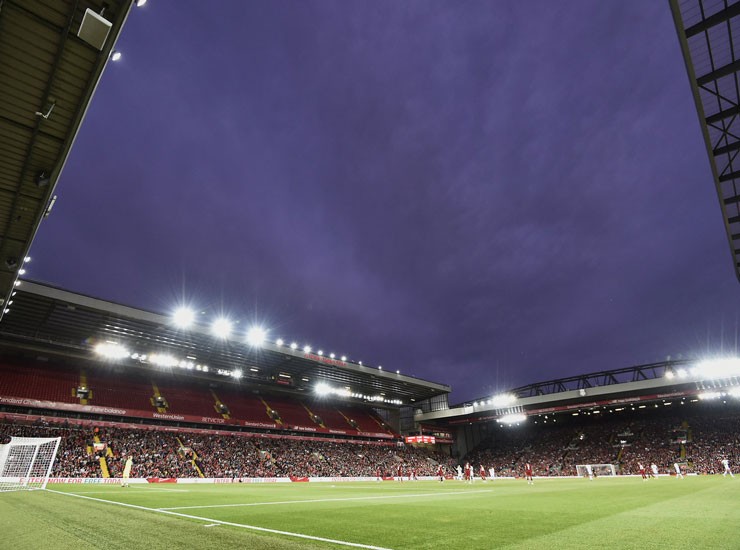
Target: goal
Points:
(26, 462)
(595, 470)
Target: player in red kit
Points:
(440, 473)
(468, 472)
(400, 473)
(482, 472)
(642, 471)
(528, 473)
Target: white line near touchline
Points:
(381, 497)
(211, 521)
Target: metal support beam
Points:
(726, 148)
(727, 113)
(719, 73)
(712, 20)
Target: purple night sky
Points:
(485, 194)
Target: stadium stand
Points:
(39, 382)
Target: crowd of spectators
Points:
(166, 454)
(697, 442)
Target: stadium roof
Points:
(709, 33)
(49, 321)
(701, 379)
(48, 75)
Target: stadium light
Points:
(293, 345)
(307, 349)
(726, 367)
(115, 55)
(320, 352)
(503, 400)
(183, 317)
(111, 350)
(163, 360)
(512, 419)
(669, 374)
(27, 259)
(707, 395)
(735, 392)
(279, 342)
(256, 336)
(221, 328)
(344, 358)
(237, 373)
(21, 271)
(140, 3)
(682, 373)
(322, 389)
(331, 355)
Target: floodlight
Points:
(183, 317)
(503, 400)
(669, 374)
(512, 418)
(115, 56)
(344, 358)
(735, 392)
(322, 389)
(279, 342)
(237, 373)
(27, 259)
(163, 360)
(140, 3)
(293, 345)
(320, 352)
(398, 372)
(332, 355)
(709, 395)
(111, 350)
(682, 373)
(21, 271)
(221, 328)
(307, 349)
(718, 368)
(256, 336)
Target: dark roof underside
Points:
(50, 321)
(709, 33)
(47, 78)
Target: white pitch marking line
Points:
(161, 489)
(211, 525)
(219, 522)
(327, 500)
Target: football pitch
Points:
(696, 512)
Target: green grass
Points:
(697, 512)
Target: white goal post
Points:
(595, 470)
(26, 462)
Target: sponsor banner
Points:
(294, 479)
(420, 439)
(94, 480)
(161, 480)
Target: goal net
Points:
(595, 470)
(26, 462)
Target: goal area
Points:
(26, 462)
(595, 470)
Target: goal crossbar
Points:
(26, 462)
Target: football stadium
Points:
(123, 427)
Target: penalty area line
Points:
(212, 521)
(314, 501)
